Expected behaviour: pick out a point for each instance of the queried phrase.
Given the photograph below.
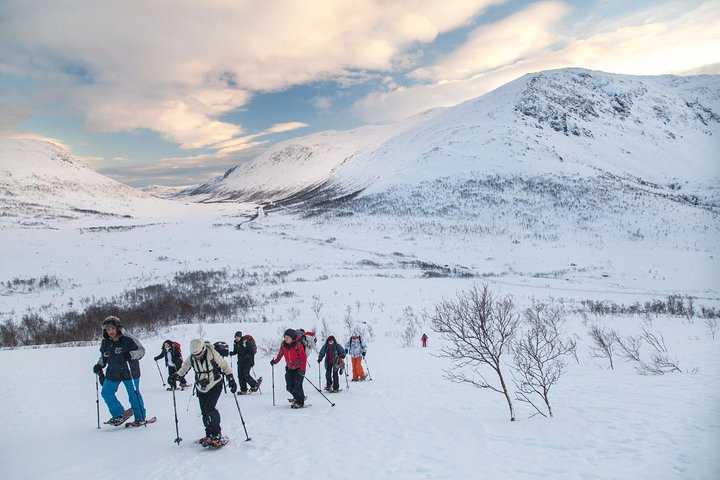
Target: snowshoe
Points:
(117, 421)
(242, 392)
(296, 406)
(214, 442)
(143, 423)
(257, 385)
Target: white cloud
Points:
(489, 47)
(177, 67)
(656, 41)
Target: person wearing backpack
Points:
(293, 350)
(209, 366)
(356, 348)
(173, 359)
(120, 352)
(334, 355)
(245, 349)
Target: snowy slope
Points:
(661, 130)
(41, 184)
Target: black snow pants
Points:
(210, 414)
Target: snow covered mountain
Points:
(660, 132)
(41, 182)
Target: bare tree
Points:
(539, 354)
(603, 345)
(317, 306)
(479, 329)
(348, 320)
(711, 326)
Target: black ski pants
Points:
(332, 380)
(210, 415)
(244, 376)
(294, 384)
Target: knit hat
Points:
(331, 337)
(290, 333)
(238, 333)
(112, 321)
(196, 346)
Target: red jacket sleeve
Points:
(279, 355)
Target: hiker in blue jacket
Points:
(121, 353)
(334, 355)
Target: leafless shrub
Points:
(711, 327)
(629, 347)
(603, 342)
(539, 354)
(409, 327)
(478, 329)
(348, 320)
(660, 362)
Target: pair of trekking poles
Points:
(178, 439)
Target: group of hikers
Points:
(120, 355)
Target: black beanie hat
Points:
(238, 333)
(290, 333)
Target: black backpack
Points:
(222, 348)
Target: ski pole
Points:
(273, 384)
(320, 392)
(255, 377)
(191, 395)
(347, 384)
(368, 368)
(319, 380)
(177, 426)
(97, 400)
(137, 393)
(160, 373)
(247, 438)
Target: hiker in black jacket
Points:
(121, 353)
(245, 349)
(334, 355)
(173, 361)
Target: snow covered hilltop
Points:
(661, 132)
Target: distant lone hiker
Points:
(424, 339)
(121, 353)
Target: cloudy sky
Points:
(175, 92)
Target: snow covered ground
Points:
(408, 422)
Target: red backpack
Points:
(177, 347)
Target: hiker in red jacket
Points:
(424, 339)
(295, 365)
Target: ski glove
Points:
(272, 362)
(127, 356)
(232, 384)
(363, 354)
(97, 368)
(319, 360)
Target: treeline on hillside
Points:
(679, 305)
(211, 296)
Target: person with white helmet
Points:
(209, 366)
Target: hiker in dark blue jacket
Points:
(334, 355)
(121, 353)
